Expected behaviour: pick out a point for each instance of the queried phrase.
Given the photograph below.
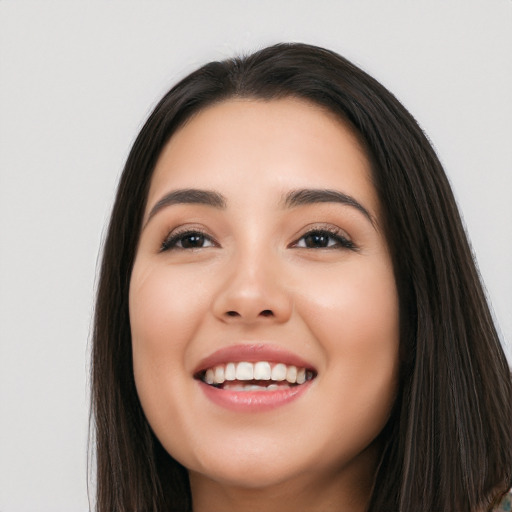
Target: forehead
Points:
(247, 144)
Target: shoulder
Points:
(505, 504)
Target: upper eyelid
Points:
(187, 228)
(332, 230)
(181, 231)
(344, 239)
(319, 227)
(186, 232)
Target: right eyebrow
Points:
(188, 196)
(306, 196)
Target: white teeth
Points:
(252, 387)
(230, 373)
(218, 377)
(262, 371)
(279, 372)
(209, 376)
(244, 371)
(291, 374)
(259, 371)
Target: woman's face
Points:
(262, 261)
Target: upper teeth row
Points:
(255, 371)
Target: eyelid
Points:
(344, 240)
(175, 234)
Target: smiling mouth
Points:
(257, 376)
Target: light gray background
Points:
(77, 79)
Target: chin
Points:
(249, 471)
(252, 477)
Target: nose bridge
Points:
(253, 287)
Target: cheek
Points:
(354, 315)
(354, 309)
(164, 315)
(165, 307)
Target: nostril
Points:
(236, 314)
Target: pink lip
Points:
(251, 354)
(253, 401)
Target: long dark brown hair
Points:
(448, 444)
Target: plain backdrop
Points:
(77, 80)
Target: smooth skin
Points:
(314, 279)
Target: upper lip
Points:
(252, 353)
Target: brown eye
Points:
(192, 241)
(323, 239)
(187, 240)
(314, 240)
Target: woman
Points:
(288, 312)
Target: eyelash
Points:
(172, 240)
(340, 241)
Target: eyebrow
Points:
(307, 196)
(292, 199)
(189, 196)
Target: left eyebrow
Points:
(189, 196)
(307, 196)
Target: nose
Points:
(252, 290)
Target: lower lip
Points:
(253, 401)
